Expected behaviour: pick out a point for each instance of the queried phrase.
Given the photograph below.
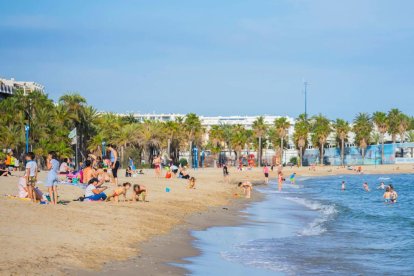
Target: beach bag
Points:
(168, 175)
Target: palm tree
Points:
(259, 129)
(403, 125)
(380, 119)
(216, 137)
(362, 129)
(239, 140)
(193, 128)
(342, 128)
(321, 128)
(394, 116)
(282, 126)
(300, 136)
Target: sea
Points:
(313, 227)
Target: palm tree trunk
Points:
(301, 156)
(190, 156)
(169, 148)
(342, 151)
(321, 156)
(382, 148)
(281, 150)
(260, 152)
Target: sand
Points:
(46, 239)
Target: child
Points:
(31, 175)
(119, 191)
(293, 178)
(192, 183)
(266, 174)
(247, 188)
(137, 191)
(280, 181)
(387, 195)
(343, 186)
(52, 176)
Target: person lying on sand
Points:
(192, 183)
(246, 187)
(137, 191)
(122, 190)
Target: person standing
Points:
(52, 176)
(343, 186)
(31, 175)
(266, 174)
(280, 181)
(114, 164)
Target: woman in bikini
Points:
(157, 165)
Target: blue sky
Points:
(215, 57)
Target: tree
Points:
(342, 128)
(362, 129)
(300, 136)
(394, 116)
(321, 129)
(380, 119)
(239, 140)
(403, 126)
(259, 129)
(193, 129)
(282, 126)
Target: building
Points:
(9, 86)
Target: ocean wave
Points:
(317, 226)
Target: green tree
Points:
(342, 128)
(362, 129)
(282, 126)
(394, 116)
(194, 130)
(380, 119)
(321, 129)
(300, 136)
(259, 129)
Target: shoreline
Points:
(92, 237)
(162, 255)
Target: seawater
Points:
(314, 228)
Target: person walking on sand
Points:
(266, 174)
(31, 175)
(280, 181)
(226, 173)
(157, 165)
(52, 176)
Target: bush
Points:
(294, 160)
(183, 162)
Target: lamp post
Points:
(103, 149)
(27, 129)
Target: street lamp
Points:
(27, 129)
(103, 149)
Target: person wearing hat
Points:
(94, 191)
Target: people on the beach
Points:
(343, 186)
(246, 187)
(280, 181)
(157, 165)
(191, 183)
(225, 173)
(293, 178)
(266, 174)
(122, 190)
(52, 176)
(114, 164)
(183, 173)
(88, 172)
(139, 191)
(31, 175)
(94, 191)
(365, 187)
(381, 186)
(64, 167)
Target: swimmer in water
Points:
(393, 194)
(293, 178)
(387, 195)
(366, 187)
(343, 186)
(381, 186)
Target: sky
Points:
(215, 57)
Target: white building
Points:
(9, 86)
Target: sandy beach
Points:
(44, 239)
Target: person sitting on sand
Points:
(365, 186)
(174, 169)
(23, 191)
(191, 183)
(122, 190)
(129, 172)
(64, 167)
(246, 187)
(183, 173)
(88, 172)
(94, 191)
(137, 191)
(4, 171)
(387, 195)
